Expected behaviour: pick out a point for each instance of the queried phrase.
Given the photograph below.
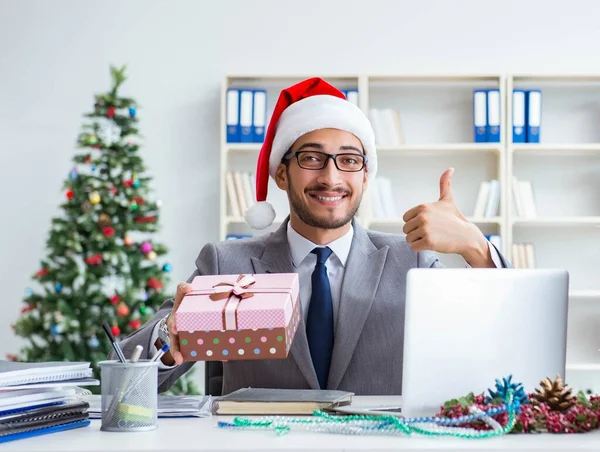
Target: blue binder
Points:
(246, 110)
(480, 115)
(493, 115)
(44, 431)
(259, 115)
(534, 115)
(518, 116)
(232, 114)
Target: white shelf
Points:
(243, 147)
(585, 295)
(441, 148)
(557, 221)
(556, 149)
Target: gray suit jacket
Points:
(368, 344)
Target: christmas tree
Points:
(101, 263)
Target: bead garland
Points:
(389, 425)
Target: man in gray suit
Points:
(352, 281)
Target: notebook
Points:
(13, 373)
(262, 401)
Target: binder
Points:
(518, 116)
(233, 115)
(480, 115)
(493, 116)
(352, 96)
(534, 115)
(246, 104)
(259, 115)
(13, 373)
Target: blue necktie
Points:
(319, 323)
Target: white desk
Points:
(179, 435)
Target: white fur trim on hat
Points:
(322, 112)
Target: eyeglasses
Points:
(315, 160)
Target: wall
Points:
(55, 55)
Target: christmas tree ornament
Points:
(167, 268)
(41, 272)
(127, 241)
(28, 292)
(132, 111)
(123, 310)
(155, 283)
(143, 295)
(73, 175)
(92, 139)
(56, 329)
(134, 206)
(69, 194)
(104, 220)
(115, 330)
(127, 182)
(146, 219)
(93, 168)
(555, 394)
(115, 299)
(94, 259)
(113, 190)
(110, 112)
(151, 255)
(146, 247)
(58, 287)
(108, 231)
(95, 197)
(135, 324)
(143, 309)
(136, 183)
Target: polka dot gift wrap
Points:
(239, 317)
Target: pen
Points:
(114, 342)
(136, 353)
(162, 351)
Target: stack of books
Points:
(42, 398)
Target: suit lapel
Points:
(361, 278)
(278, 259)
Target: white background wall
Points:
(54, 55)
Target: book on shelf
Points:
(246, 115)
(487, 204)
(486, 115)
(387, 127)
(523, 199)
(523, 255)
(526, 115)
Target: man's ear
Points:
(281, 177)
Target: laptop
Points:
(465, 328)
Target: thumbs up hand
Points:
(440, 226)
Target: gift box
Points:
(239, 317)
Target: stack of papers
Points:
(41, 398)
(168, 406)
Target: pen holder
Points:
(129, 396)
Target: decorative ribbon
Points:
(234, 292)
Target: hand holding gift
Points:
(182, 289)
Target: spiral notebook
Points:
(13, 373)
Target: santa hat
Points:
(302, 108)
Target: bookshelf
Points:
(435, 112)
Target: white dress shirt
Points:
(304, 262)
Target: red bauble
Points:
(155, 283)
(139, 200)
(135, 324)
(113, 190)
(145, 219)
(110, 112)
(128, 183)
(115, 330)
(114, 299)
(88, 159)
(94, 259)
(108, 231)
(123, 310)
(69, 194)
(41, 272)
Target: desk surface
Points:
(192, 434)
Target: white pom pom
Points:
(260, 215)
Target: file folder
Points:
(246, 101)
(534, 115)
(480, 115)
(493, 116)
(233, 115)
(259, 115)
(518, 116)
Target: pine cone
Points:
(104, 220)
(554, 394)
